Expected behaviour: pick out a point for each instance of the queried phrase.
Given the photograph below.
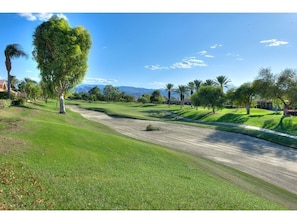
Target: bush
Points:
(5, 103)
(152, 128)
(19, 101)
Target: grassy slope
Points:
(53, 161)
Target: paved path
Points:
(271, 162)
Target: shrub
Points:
(5, 103)
(152, 128)
(19, 101)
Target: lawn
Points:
(65, 162)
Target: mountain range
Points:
(135, 91)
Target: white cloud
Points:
(186, 63)
(273, 42)
(216, 45)
(205, 54)
(189, 62)
(99, 81)
(40, 16)
(155, 67)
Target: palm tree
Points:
(191, 86)
(12, 51)
(181, 90)
(169, 86)
(197, 84)
(222, 81)
(208, 82)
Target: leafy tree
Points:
(222, 81)
(156, 97)
(195, 100)
(129, 98)
(31, 88)
(111, 93)
(280, 87)
(95, 93)
(12, 51)
(22, 86)
(230, 97)
(61, 53)
(244, 95)
(211, 97)
(145, 98)
(168, 88)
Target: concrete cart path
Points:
(271, 162)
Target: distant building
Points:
(264, 104)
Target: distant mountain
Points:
(135, 91)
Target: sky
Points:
(152, 48)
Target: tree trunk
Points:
(8, 86)
(248, 109)
(62, 104)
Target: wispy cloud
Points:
(155, 67)
(205, 54)
(186, 63)
(99, 81)
(189, 62)
(40, 16)
(236, 56)
(216, 46)
(273, 42)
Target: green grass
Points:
(65, 162)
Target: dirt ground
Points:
(271, 162)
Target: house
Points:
(4, 88)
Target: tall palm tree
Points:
(222, 81)
(169, 86)
(191, 86)
(208, 82)
(198, 84)
(181, 90)
(12, 51)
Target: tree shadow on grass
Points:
(234, 118)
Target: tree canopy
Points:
(61, 53)
(282, 87)
(210, 96)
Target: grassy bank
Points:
(54, 161)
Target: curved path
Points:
(271, 162)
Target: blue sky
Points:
(152, 49)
